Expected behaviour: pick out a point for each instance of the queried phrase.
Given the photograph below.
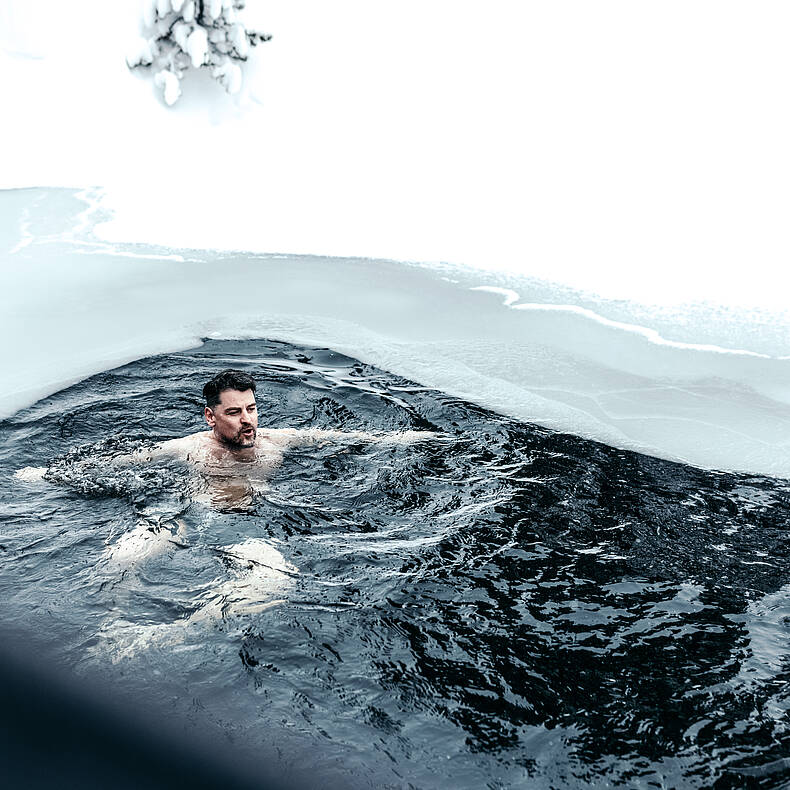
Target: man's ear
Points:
(209, 415)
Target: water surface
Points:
(511, 607)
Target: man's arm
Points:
(296, 437)
(173, 448)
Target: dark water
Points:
(513, 608)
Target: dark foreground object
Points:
(59, 732)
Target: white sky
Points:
(637, 149)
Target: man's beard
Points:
(240, 441)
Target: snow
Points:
(169, 84)
(149, 9)
(181, 32)
(139, 53)
(197, 46)
(238, 38)
(632, 149)
(229, 76)
(213, 8)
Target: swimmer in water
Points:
(235, 457)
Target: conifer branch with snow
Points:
(184, 34)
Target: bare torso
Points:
(230, 477)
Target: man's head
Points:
(230, 408)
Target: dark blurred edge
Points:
(58, 731)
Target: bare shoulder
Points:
(183, 446)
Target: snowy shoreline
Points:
(712, 394)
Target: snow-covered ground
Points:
(574, 153)
(635, 149)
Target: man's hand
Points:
(30, 474)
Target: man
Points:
(235, 457)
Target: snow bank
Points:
(635, 150)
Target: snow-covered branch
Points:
(184, 34)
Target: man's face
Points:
(235, 418)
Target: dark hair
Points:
(227, 380)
